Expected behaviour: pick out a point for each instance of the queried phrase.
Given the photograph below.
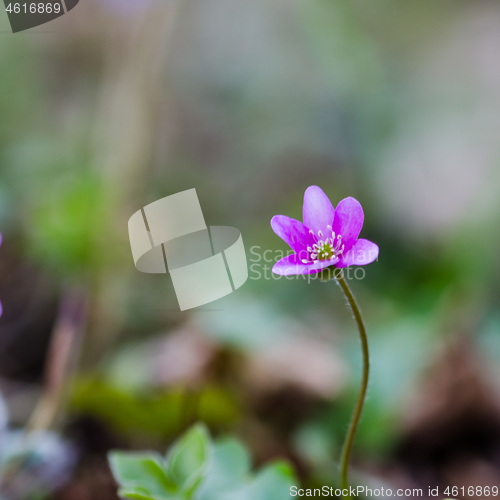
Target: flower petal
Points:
(348, 221)
(292, 264)
(363, 252)
(317, 211)
(292, 232)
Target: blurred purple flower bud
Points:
(47, 462)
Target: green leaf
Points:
(231, 457)
(135, 493)
(271, 483)
(141, 473)
(281, 469)
(274, 481)
(188, 459)
(141, 494)
(198, 469)
(230, 466)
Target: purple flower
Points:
(328, 236)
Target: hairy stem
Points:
(358, 409)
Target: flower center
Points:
(324, 248)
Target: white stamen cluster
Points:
(324, 249)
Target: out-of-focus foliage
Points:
(154, 416)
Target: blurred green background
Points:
(118, 104)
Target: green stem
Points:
(358, 409)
